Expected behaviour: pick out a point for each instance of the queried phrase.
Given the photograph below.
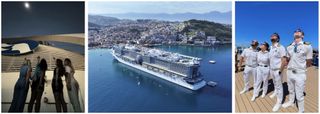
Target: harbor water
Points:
(116, 87)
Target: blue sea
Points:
(115, 87)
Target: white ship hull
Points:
(178, 80)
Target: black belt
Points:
(263, 65)
(252, 66)
(294, 71)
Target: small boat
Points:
(212, 61)
(212, 83)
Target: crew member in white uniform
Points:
(277, 63)
(299, 55)
(250, 56)
(262, 71)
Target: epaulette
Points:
(278, 45)
(306, 43)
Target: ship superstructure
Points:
(176, 68)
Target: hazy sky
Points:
(258, 20)
(42, 18)
(157, 7)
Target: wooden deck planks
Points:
(243, 103)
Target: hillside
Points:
(210, 28)
(102, 20)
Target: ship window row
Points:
(172, 66)
(168, 73)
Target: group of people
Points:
(37, 82)
(264, 61)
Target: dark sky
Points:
(42, 18)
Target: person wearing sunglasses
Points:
(299, 55)
(277, 64)
(262, 71)
(249, 55)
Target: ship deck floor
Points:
(243, 103)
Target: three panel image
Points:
(160, 56)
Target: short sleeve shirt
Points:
(299, 58)
(263, 58)
(277, 52)
(250, 56)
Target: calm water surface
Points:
(115, 87)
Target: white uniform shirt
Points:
(298, 59)
(250, 56)
(263, 58)
(277, 51)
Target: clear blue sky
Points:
(258, 20)
(157, 7)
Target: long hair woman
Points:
(72, 85)
(21, 88)
(57, 86)
(37, 86)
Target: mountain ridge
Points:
(220, 17)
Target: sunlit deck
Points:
(243, 103)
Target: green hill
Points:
(210, 28)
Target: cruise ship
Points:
(179, 69)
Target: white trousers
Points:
(296, 85)
(248, 71)
(262, 76)
(277, 81)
